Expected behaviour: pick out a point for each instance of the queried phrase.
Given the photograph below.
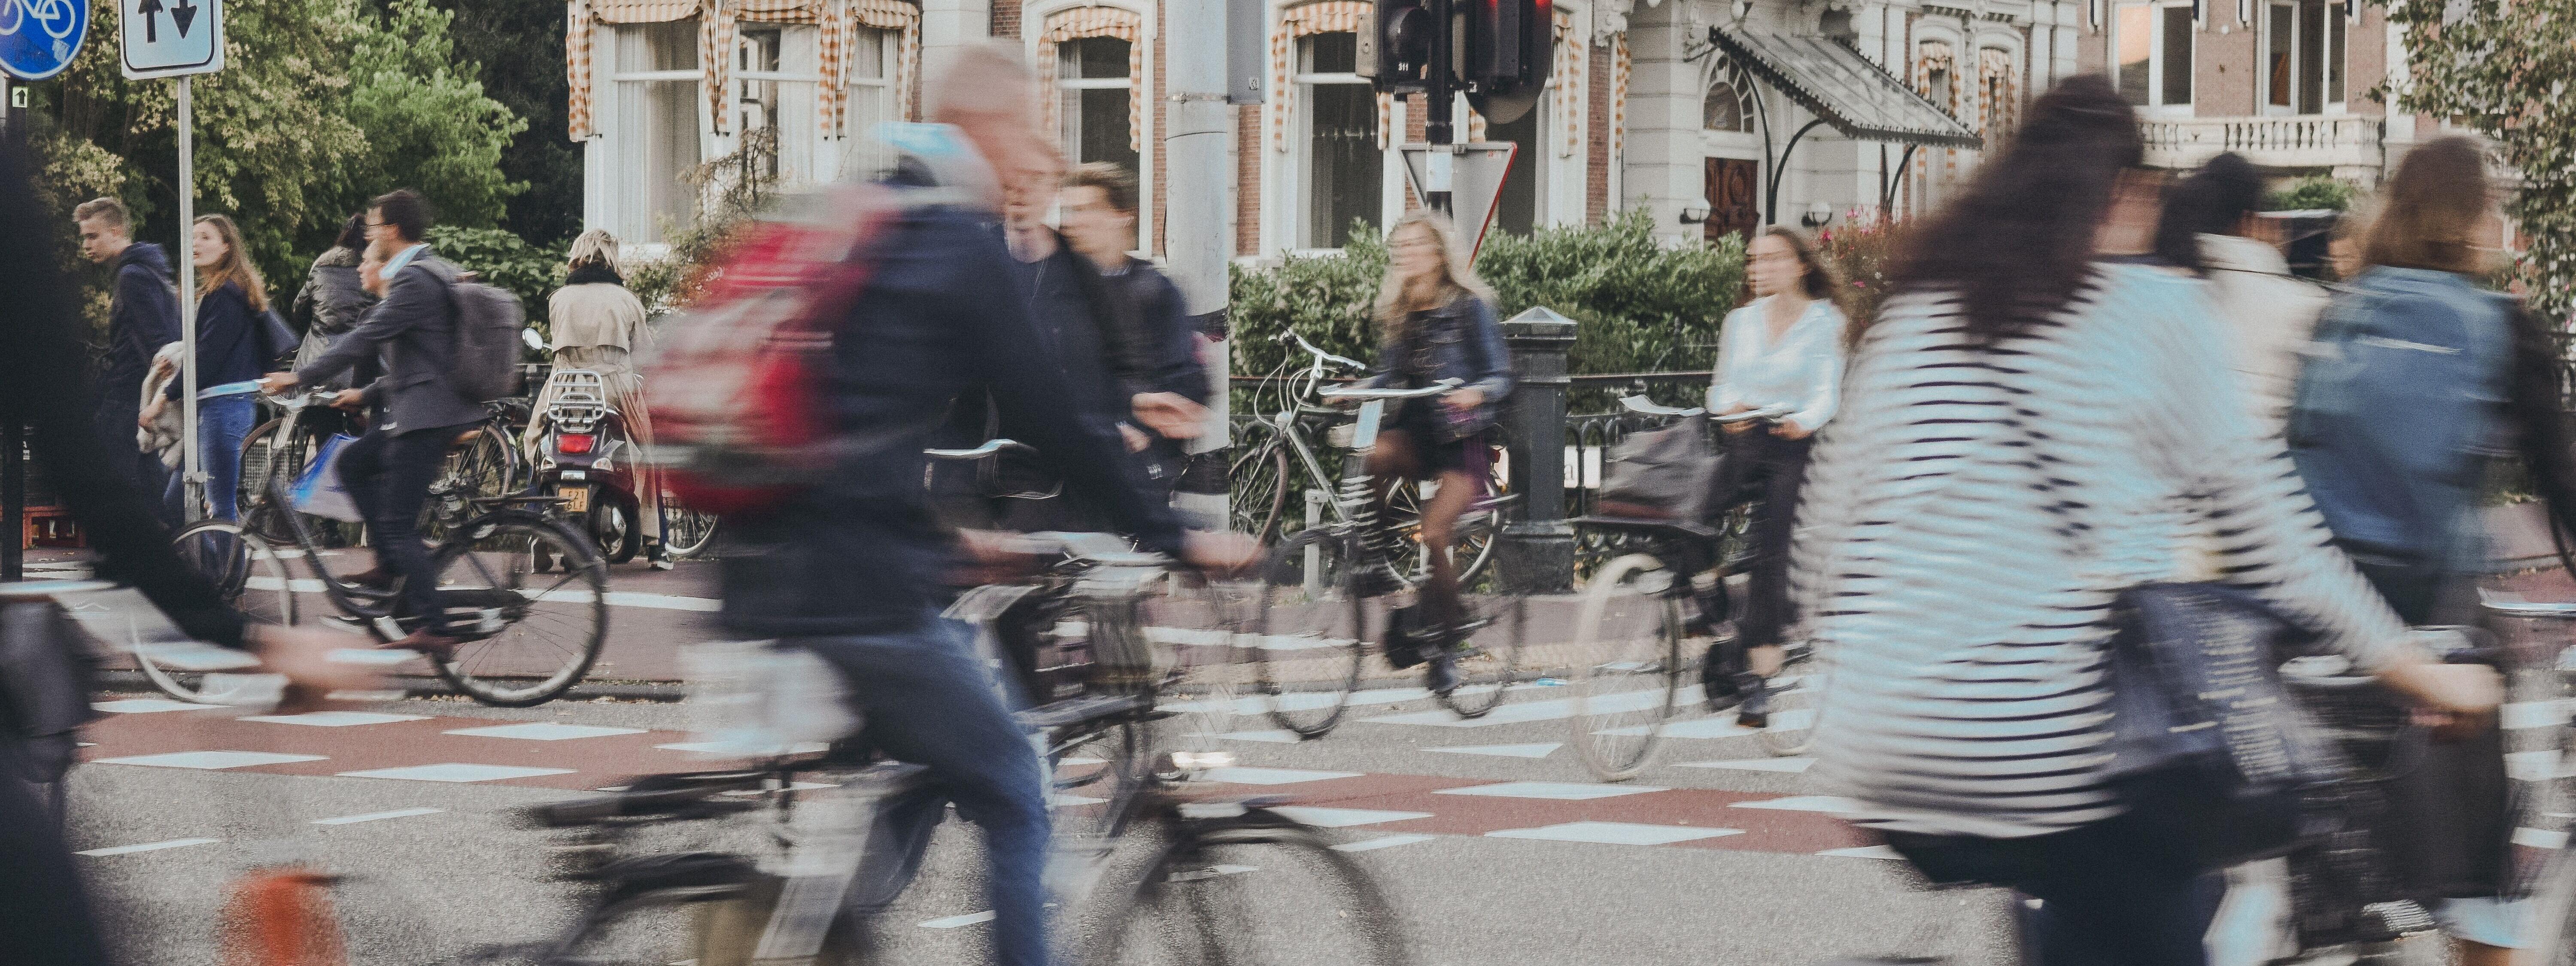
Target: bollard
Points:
(1537, 552)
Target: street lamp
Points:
(1818, 215)
(1695, 212)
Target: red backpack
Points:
(740, 422)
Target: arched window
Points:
(1729, 104)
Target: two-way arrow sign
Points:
(193, 45)
(181, 16)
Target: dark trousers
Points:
(2106, 898)
(928, 699)
(44, 912)
(388, 476)
(1773, 469)
(116, 429)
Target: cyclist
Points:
(1151, 352)
(597, 324)
(1436, 321)
(1784, 351)
(850, 569)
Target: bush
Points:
(2311, 192)
(530, 272)
(1860, 251)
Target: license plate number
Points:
(576, 498)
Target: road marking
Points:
(2536, 766)
(952, 922)
(1555, 791)
(1273, 776)
(1615, 833)
(209, 760)
(1344, 817)
(1273, 737)
(545, 731)
(456, 772)
(2525, 715)
(335, 719)
(1790, 765)
(150, 847)
(377, 816)
(1301, 701)
(1828, 804)
(1550, 710)
(733, 750)
(1865, 852)
(616, 598)
(1381, 842)
(147, 706)
(2540, 838)
(1540, 750)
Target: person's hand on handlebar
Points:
(2456, 699)
(349, 400)
(277, 382)
(1464, 401)
(1738, 427)
(1789, 429)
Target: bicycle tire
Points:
(249, 576)
(1628, 667)
(716, 920)
(689, 532)
(1259, 479)
(2554, 910)
(1310, 637)
(493, 668)
(479, 467)
(1253, 890)
(1492, 664)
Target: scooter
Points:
(587, 459)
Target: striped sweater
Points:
(1972, 512)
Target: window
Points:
(1092, 86)
(2303, 56)
(655, 141)
(871, 102)
(1729, 104)
(2152, 42)
(775, 71)
(1345, 171)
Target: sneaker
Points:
(1755, 712)
(377, 578)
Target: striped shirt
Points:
(1972, 512)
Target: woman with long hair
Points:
(2040, 418)
(1783, 351)
(1436, 321)
(597, 324)
(230, 307)
(2421, 379)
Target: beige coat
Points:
(600, 327)
(2267, 314)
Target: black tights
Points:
(1397, 458)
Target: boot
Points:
(1720, 678)
(1755, 712)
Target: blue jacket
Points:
(1460, 340)
(142, 316)
(863, 553)
(2402, 399)
(227, 340)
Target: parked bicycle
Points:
(483, 462)
(527, 640)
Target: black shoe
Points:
(1720, 683)
(1442, 676)
(1755, 712)
(1404, 645)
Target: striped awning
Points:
(1080, 22)
(717, 20)
(639, 11)
(1319, 17)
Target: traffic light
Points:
(1395, 52)
(1510, 46)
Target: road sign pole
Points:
(190, 460)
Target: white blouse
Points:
(1802, 371)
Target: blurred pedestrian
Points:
(2039, 419)
(2265, 313)
(142, 316)
(1151, 348)
(230, 313)
(598, 325)
(1784, 351)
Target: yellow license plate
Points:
(576, 498)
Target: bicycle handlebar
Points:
(1322, 356)
(1645, 406)
(1437, 388)
(990, 447)
(1774, 412)
(2559, 610)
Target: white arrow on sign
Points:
(168, 38)
(1475, 181)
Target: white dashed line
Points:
(150, 847)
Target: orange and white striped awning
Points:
(1098, 21)
(716, 33)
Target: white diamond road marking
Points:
(147, 706)
(1083, 761)
(150, 847)
(545, 731)
(1281, 737)
(1540, 750)
(456, 772)
(1790, 765)
(952, 922)
(1381, 842)
(335, 719)
(2536, 766)
(377, 816)
(740, 751)
(1060, 800)
(1718, 727)
(209, 760)
(1615, 833)
(791, 786)
(1865, 852)
(1273, 776)
(1557, 791)
(2540, 838)
(1828, 804)
(1556, 709)
(2525, 715)
(1344, 817)
(1300, 701)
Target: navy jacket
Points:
(863, 553)
(1460, 340)
(227, 340)
(142, 316)
(1166, 357)
(414, 332)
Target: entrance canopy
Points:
(1843, 89)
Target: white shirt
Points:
(400, 259)
(1802, 371)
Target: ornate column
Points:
(1537, 552)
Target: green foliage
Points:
(2505, 69)
(2313, 192)
(1860, 252)
(428, 123)
(1640, 306)
(531, 272)
(519, 46)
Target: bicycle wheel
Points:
(2554, 910)
(1252, 891)
(1259, 478)
(1794, 710)
(1492, 663)
(528, 636)
(1478, 528)
(1627, 665)
(1308, 640)
(686, 532)
(249, 575)
(479, 465)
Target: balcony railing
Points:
(2305, 141)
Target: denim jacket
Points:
(1465, 343)
(2400, 405)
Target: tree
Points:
(519, 47)
(2505, 68)
(427, 120)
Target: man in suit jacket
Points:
(389, 470)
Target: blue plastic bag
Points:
(319, 492)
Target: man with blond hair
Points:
(142, 316)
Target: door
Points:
(1734, 198)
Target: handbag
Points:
(275, 338)
(319, 491)
(1661, 474)
(2209, 753)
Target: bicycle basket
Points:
(1126, 658)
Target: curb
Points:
(431, 686)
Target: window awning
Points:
(1858, 98)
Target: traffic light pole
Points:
(1441, 98)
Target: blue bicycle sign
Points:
(39, 38)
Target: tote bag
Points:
(319, 492)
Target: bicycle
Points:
(1279, 466)
(483, 462)
(2544, 691)
(1311, 643)
(55, 17)
(508, 656)
(797, 899)
(1631, 668)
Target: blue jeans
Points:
(929, 700)
(222, 423)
